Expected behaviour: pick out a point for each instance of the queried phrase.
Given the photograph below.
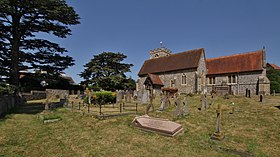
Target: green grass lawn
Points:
(254, 129)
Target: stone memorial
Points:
(162, 103)
(144, 99)
(119, 97)
(185, 106)
(218, 135)
(177, 102)
(150, 106)
(157, 125)
(202, 99)
(129, 97)
(206, 103)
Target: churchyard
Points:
(251, 128)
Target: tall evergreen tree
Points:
(20, 20)
(106, 71)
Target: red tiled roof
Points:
(251, 61)
(274, 66)
(179, 61)
(155, 79)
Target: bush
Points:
(6, 89)
(102, 97)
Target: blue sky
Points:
(134, 27)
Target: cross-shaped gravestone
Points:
(185, 107)
(177, 103)
(218, 134)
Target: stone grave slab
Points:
(157, 125)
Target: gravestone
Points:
(218, 135)
(206, 103)
(162, 103)
(157, 125)
(185, 107)
(119, 97)
(249, 93)
(177, 102)
(150, 106)
(129, 96)
(246, 95)
(144, 99)
(78, 94)
(202, 99)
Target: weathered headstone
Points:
(150, 106)
(185, 107)
(144, 99)
(273, 92)
(161, 126)
(129, 96)
(119, 97)
(206, 103)
(202, 99)
(218, 135)
(177, 102)
(47, 105)
(78, 93)
(162, 102)
(246, 95)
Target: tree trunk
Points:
(15, 51)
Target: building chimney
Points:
(264, 57)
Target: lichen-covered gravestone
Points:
(177, 103)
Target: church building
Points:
(191, 72)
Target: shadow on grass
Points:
(33, 108)
(277, 107)
(237, 152)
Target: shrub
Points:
(102, 97)
(6, 89)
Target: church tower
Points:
(160, 52)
